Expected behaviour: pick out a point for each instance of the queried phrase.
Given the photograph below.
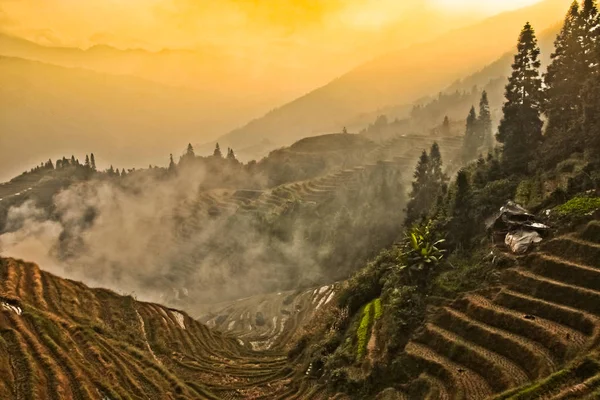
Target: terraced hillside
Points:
(62, 340)
(546, 314)
(398, 154)
(269, 322)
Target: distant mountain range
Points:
(49, 111)
(110, 100)
(398, 78)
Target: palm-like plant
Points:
(421, 252)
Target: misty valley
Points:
(303, 200)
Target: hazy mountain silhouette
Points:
(396, 78)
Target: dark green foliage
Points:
(472, 139)
(579, 205)
(484, 123)
(403, 311)
(562, 90)
(421, 254)
(460, 226)
(428, 182)
(520, 130)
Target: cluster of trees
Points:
(429, 183)
(567, 95)
(190, 156)
(478, 133)
(88, 167)
(65, 162)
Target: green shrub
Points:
(530, 192)
(362, 333)
(377, 311)
(579, 206)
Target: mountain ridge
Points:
(357, 85)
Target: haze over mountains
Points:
(396, 78)
(168, 98)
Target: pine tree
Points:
(563, 88)
(230, 154)
(87, 161)
(471, 138)
(436, 172)
(344, 131)
(190, 151)
(520, 130)
(589, 25)
(217, 152)
(172, 165)
(49, 164)
(461, 225)
(92, 161)
(484, 123)
(418, 205)
(446, 126)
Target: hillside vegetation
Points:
(449, 311)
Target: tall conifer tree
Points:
(217, 152)
(563, 87)
(418, 204)
(520, 130)
(484, 123)
(471, 139)
(589, 25)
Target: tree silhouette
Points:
(484, 123)
(446, 126)
(190, 151)
(473, 138)
(217, 152)
(520, 130)
(562, 90)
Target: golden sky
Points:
(316, 40)
(191, 23)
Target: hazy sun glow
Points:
(485, 6)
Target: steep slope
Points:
(62, 340)
(545, 314)
(397, 78)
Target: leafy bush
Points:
(377, 311)
(530, 192)
(421, 253)
(579, 206)
(362, 333)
